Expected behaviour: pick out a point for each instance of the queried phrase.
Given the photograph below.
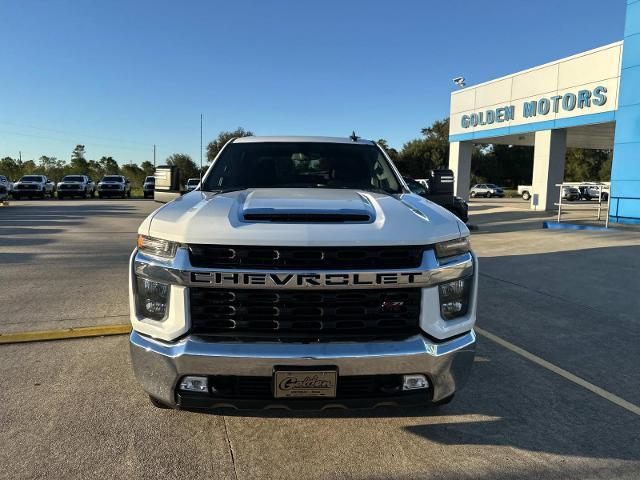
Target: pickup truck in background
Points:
(114, 186)
(304, 274)
(76, 186)
(30, 186)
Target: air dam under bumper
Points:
(158, 366)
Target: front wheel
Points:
(444, 401)
(472, 194)
(526, 196)
(158, 404)
(488, 195)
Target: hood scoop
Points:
(310, 205)
(306, 217)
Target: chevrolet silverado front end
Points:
(302, 274)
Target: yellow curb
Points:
(78, 332)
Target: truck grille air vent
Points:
(319, 315)
(325, 258)
(307, 217)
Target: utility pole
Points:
(200, 146)
(154, 156)
(20, 155)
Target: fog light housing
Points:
(194, 384)
(454, 298)
(414, 382)
(151, 298)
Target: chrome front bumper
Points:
(158, 366)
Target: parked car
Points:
(4, 193)
(592, 192)
(525, 191)
(76, 186)
(487, 190)
(457, 206)
(33, 186)
(148, 186)
(570, 193)
(192, 184)
(4, 181)
(114, 186)
(281, 292)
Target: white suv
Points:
(487, 190)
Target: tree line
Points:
(505, 165)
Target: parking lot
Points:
(554, 392)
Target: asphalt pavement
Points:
(72, 409)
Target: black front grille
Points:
(69, 187)
(110, 187)
(362, 386)
(306, 315)
(325, 258)
(27, 187)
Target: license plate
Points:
(305, 383)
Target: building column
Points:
(624, 201)
(460, 163)
(548, 168)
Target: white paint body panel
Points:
(218, 219)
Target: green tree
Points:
(109, 166)
(147, 167)
(79, 164)
(53, 168)
(419, 156)
(188, 168)
(392, 152)
(216, 145)
(134, 173)
(11, 168)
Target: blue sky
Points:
(121, 76)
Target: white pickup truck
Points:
(33, 186)
(302, 274)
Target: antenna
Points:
(353, 137)
(202, 194)
(154, 156)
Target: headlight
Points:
(157, 246)
(151, 298)
(453, 247)
(454, 298)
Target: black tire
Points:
(472, 194)
(100, 195)
(488, 195)
(60, 197)
(158, 404)
(526, 196)
(129, 194)
(444, 401)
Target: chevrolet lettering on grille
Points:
(310, 280)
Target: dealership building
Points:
(588, 100)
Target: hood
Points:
(295, 217)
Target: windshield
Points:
(301, 165)
(73, 178)
(112, 178)
(193, 181)
(150, 179)
(491, 185)
(31, 178)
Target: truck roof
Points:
(262, 139)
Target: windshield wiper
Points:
(227, 190)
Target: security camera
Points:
(459, 81)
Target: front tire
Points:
(444, 401)
(488, 195)
(526, 196)
(158, 404)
